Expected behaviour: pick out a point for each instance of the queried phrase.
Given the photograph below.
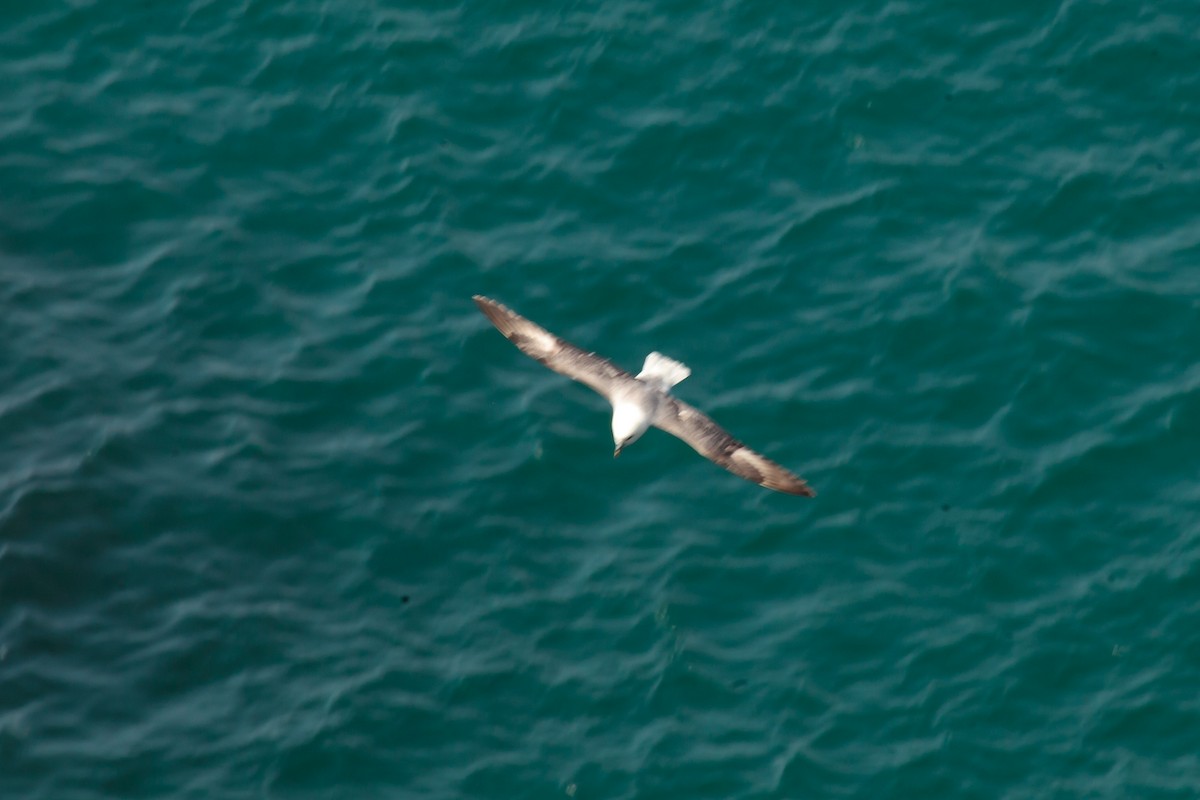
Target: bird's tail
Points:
(663, 371)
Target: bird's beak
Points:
(617, 452)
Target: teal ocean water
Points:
(282, 515)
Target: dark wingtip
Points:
(790, 484)
(502, 317)
(489, 306)
(800, 489)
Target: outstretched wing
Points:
(557, 354)
(714, 443)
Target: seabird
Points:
(642, 400)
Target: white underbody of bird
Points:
(643, 400)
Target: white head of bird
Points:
(629, 422)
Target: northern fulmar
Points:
(642, 400)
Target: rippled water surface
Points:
(282, 515)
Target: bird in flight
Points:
(642, 400)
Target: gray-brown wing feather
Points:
(714, 443)
(556, 353)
